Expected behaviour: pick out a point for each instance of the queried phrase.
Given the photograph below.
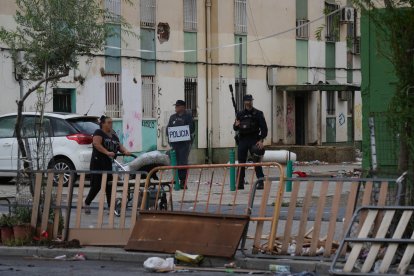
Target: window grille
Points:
(113, 96)
(190, 94)
(147, 13)
(332, 22)
(302, 30)
(240, 17)
(113, 8)
(190, 15)
(148, 96)
(240, 95)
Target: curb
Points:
(120, 255)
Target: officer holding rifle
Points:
(252, 128)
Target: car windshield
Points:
(85, 125)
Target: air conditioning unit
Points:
(344, 95)
(347, 14)
(271, 76)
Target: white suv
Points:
(70, 139)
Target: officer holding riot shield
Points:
(180, 133)
(252, 128)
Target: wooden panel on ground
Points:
(101, 237)
(205, 234)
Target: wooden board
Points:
(290, 215)
(406, 259)
(392, 247)
(194, 233)
(80, 200)
(332, 220)
(318, 219)
(356, 249)
(304, 217)
(375, 248)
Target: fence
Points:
(308, 221)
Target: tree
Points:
(395, 20)
(53, 34)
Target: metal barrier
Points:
(384, 231)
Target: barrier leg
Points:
(289, 173)
(232, 171)
(175, 172)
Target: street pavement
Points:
(12, 266)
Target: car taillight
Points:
(81, 139)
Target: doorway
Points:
(300, 119)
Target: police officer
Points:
(180, 139)
(252, 128)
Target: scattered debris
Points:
(188, 258)
(156, 264)
(76, 257)
(230, 265)
(310, 163)
(279, 268)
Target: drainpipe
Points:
(209, 84)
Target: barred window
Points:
(330, 103)
(113, 96)
(302, 30)
(332, 22)
(190, 94)
(113, 9)
(147, 13)
(190, 15)
(148, 96)
(240, 94)
(240, 17)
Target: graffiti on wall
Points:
(290, 120)
(341, 119)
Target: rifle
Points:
(236, 137)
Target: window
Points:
(61, 128)
(350, 104)
(85, 125)
(147, 13)
(240, 94)
(148, 96)
(190, 15)
(113, 97)
(357, 45)
(330, 103)
(62, 100)
(190, 94)
(332, 22)
(113, 9)
(32, 127)
(240, 17)
(302, 30)
(7, 126)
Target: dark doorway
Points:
(300, 111)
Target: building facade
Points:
(299, 59)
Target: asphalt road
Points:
(23, 266)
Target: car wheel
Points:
(62, 164)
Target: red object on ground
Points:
(300, 174)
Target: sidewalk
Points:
(119, 254)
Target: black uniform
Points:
(252, 129)
(182, 148)
(101, 162)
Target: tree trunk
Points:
(18, 131)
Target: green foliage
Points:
(54, 33)
(21, 215)
(6, 221)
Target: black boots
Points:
(260, 185)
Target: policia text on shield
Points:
(180, 133)
(252, 128)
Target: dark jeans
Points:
(95, 187)
(182, 151)
(245, 144)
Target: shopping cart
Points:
(156, 190)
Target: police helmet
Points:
(257, 153)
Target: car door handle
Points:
(7, 145)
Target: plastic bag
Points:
(156, 264)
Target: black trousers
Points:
(95, 187)
(182, 151)
(96, 180)
(245, 144)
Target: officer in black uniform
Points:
(181, 148)
(252, 128)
